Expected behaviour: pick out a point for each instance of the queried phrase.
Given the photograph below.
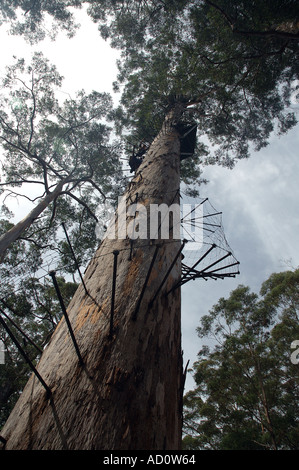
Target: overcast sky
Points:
(259, 201)
(258, 198)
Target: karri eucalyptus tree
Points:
(181, 62)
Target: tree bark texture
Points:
(128, 393)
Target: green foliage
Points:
(247, 387)
(47, 143)
(28, 17)
(234, 60)
(21, 259)
(41, 136)
(35, 309)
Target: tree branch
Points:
(15, 194)
(17, 230)
(267, 33)
(88, 180)
(81, 202)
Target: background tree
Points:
(63, 149)
(58, 155)
(30, 307)
(247, 383)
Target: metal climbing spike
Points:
(26, 357)
(115, 254)
(135, 313)
(168, 272)
(52, 274)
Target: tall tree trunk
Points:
(128, 393)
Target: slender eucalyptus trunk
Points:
(17, 230)
(264, 400)
(128, 392)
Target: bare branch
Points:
(89, 180)
(15, 194)
(22, 180)
(82, 203)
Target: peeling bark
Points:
(128, 393)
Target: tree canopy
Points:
(238, 85)
(247, 377)
(37, 19)
(234, 62)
